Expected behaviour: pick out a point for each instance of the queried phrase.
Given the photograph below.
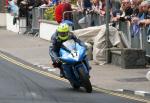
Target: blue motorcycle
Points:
(72, 56)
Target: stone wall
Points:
(129, 58)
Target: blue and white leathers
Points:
(73, 57)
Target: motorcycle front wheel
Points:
(75, 86)
(85, 80)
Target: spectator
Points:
(14, 7)
(115, 5)
(87, 4)
(135, 6)
(144, 19)
(102, 7)
(83, 6)
(59, 12)
(95, 12)
(67, 7)
(145, 22)
(145, 5)
(124, 13)
(22, 8)
(116, 15)
(96, 6)
(9, 6)
(80, 7)
(137, 11)
(126, 7)
(14, 10)
(6, 2)
(38, 3)
(55, 2)
(46, 3)
(60, 9)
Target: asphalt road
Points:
(19, 85)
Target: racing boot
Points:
(62, 74)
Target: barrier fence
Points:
(93, 19)
(32, 24)
(37, 14)
(140, 40)
(145, 41)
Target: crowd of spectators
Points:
(23, 8)
(137, 12)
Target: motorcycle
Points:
(72, 56)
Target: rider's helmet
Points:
(63, 30)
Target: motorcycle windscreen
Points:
(76, 53)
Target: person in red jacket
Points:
(6, 2)
(59, 12)
(60, 9)
(67, 15)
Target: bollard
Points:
(148, 75)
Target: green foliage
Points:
(49, 13)
(73, 2)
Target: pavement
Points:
(34, 50)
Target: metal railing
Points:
(90, 19)
(37, 14)
(139, 40)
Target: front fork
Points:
(72, 72)
(86, 61)
(80, 66)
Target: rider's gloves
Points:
(56, 63)
(57, 60)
